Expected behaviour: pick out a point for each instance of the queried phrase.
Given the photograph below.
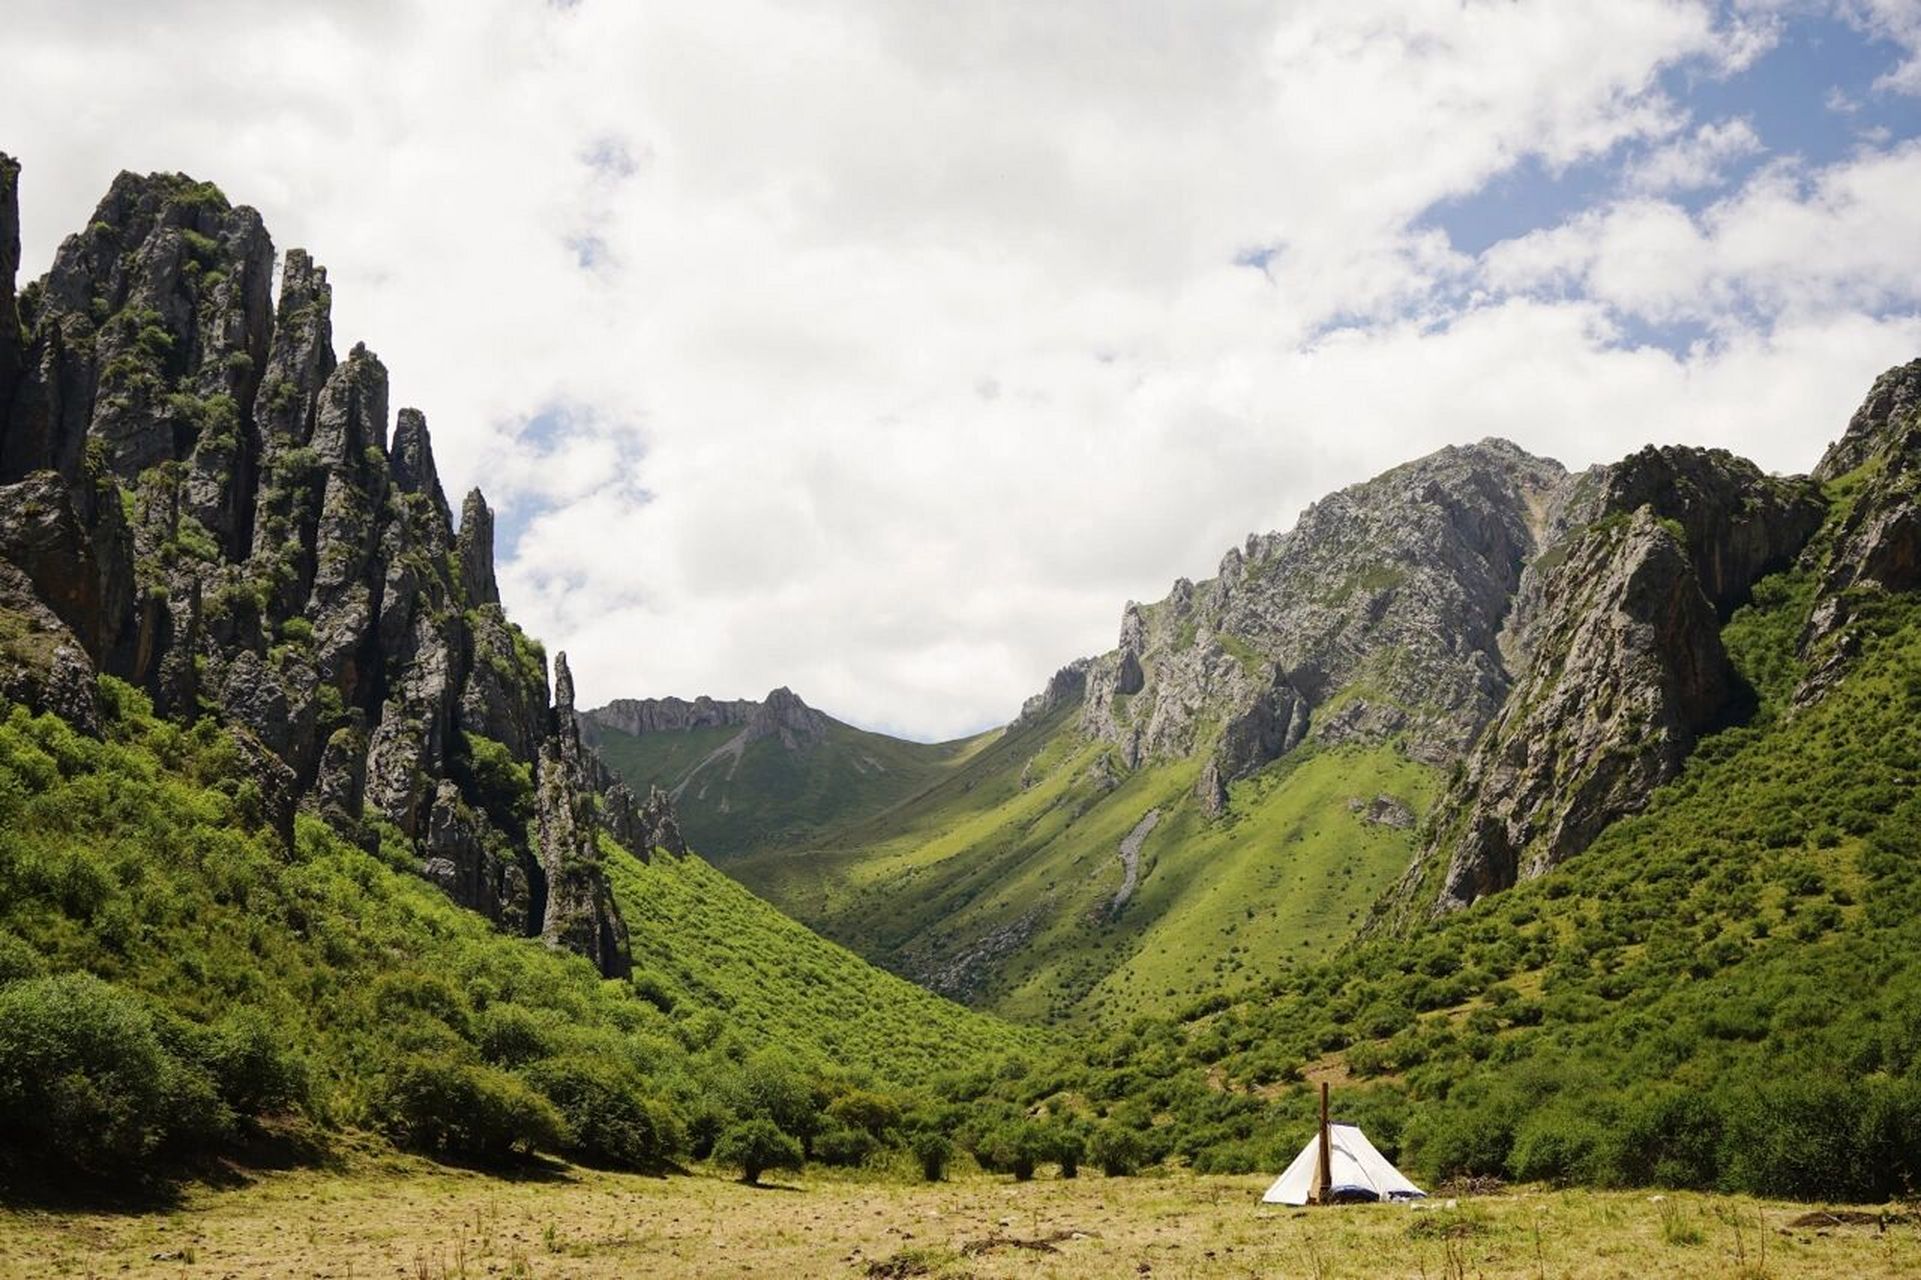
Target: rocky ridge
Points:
(1617, 637)
(1556, 635)
(1378, 617)
(199, 498)
(636, 716)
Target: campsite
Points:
(387, 1216)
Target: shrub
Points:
(1017, 1148)
(610, 1117)
(18, 959)
(844, 1147)
(770, 1085)
(932, 1151)
(1118, 1150)
(755, 1146)
(434, 1105)
(874, 1113)
(1067, 1147)
(512, 1035)
(252, 1067)
(1553, 1146)
(83, 1079)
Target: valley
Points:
(1564, 822)
(406, 1217)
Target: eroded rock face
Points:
(43, 665)
(1616, 630)
(636, 716)
(580, 912)
(1878, 546)
(1398, 587)
(1629, 670)
(283, 561)
(13, 355)
(1064, 688)
(642, 827)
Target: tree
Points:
(771, 1085)
(1118, 1150)
(1067, 1147)
(1018, 1147)
(755, 1146)
(933, 1150)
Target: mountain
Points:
(1720, 988)
(293, 830)
(1239, 779)
(759, 777)
(1440, 682)
(198, 498)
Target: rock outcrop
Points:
(1617, 633)
(1382, 608)
(1877, 547)
(198, 498)
(635, 716)
(1065, 687)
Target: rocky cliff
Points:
(1378, 617)
(1616, 637)
(636, 716)
(199, 498)
(1556, 635)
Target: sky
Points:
(885, 350)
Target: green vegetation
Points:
(172, 980)
(770, 799)
(1023, 839)
(1722, 992)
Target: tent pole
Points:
(1324, 1172)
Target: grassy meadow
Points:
(1023, 841)
(382, 1215)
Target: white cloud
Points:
(814, 237)
(1898, 22)
(1695, 160)
(1789, 242)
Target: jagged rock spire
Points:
(476, 550)
(286, 567)
(563, 695)
(12, 352)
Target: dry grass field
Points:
(395, 1218)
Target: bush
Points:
(609, 1115)
(1552, 1146)
(1472, 1139)
(1118, 1150)
(755, 1146)
(84, 1081)
(874, 1113)
(252, 1067)
(844, 1147)
(1067, 1146)
(18, 959)
(1017, 1147)
(770, 1085)
(933, 1151)
(512, 1035)
(455, 1108)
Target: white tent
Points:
(1358, 1172)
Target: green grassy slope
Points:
(1724, 990)
(141, 861)
(774, 796)
(1005, 892)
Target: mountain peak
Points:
(783, 715)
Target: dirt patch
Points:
(1473, 1185)
(1039, 1244)
(1852, 1218)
